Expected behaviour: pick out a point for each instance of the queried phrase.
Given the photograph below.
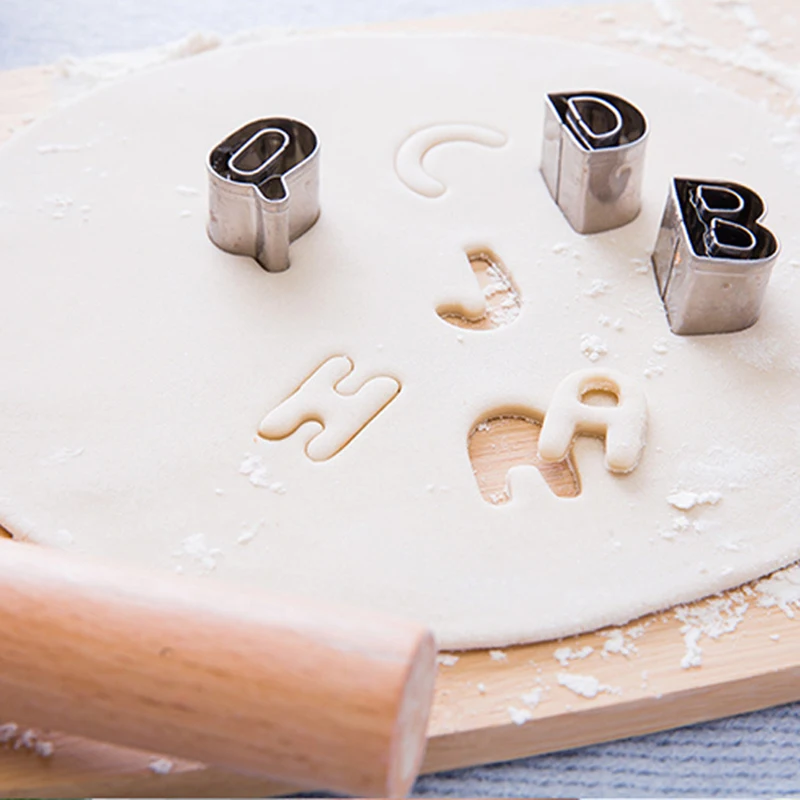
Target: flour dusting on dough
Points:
(63, 455)
(196, 550)
(685, 501)
(249, 532)
(593, 347)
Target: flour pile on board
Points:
(712, 618)
(25, 739)
(566, 654)
(621, 642)
(447, 659)
(160, 766)
(585, 685)
(781, 590)
(519, 716)
(533, 697)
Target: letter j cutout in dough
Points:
(342, 416)
(623, 425)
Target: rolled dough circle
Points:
(139, 360)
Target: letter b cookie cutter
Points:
(712, 258)
(264, 189)
(593, 158)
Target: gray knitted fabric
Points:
(753, 755)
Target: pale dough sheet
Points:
(139, 360)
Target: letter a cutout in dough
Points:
(623, 425)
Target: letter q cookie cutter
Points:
(264, 189)
(593, 158)
(713, 259)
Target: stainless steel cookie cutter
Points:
(712, 258)
(264, 189)
(593, 158)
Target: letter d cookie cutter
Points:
(264, 189)
(593, 158)
(713, 259)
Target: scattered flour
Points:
(519, 716)
(499, 287)
(481, 688)
(256, 471)
(593, 347)
(161, 766)
(25, 739)
(584, 685)
(685, 501)
(194, 548)
(617, 644)
(497, 655)
(83, 74)
(713, 618)
(63, 455)
(566, 654)
(8, 731)
(693, 657)
(598, 288)
(653, 371)
(50, 149)
(532, 698)
(781, 590)
(187, 191)
(681, 524)
(447, 659)
(661, 347)
(725, 467)
(250, 532)
(44, 749)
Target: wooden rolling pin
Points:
(301, 692)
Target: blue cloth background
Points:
(755, 755)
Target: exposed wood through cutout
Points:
(500, 443)
(4, 534)
(503, 300)
(600, 397)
